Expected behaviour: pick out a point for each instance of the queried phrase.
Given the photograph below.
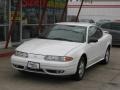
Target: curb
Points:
(6, 54)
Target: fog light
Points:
(60, 71)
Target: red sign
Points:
(34, 3)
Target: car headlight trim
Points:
(58, 58)
(21, 54)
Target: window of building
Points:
(28, 17)
(15, 37)
(29, 32)
(4, 15)
(2, 32)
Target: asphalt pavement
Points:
(98, 77)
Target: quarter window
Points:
(94, 32)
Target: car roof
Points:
(76, 24)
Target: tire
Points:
(107, 57)
(22, 72)
(80, 72)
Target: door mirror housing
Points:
(93, 40)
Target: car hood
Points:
(48, 47)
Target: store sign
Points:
(56, 4)
(42, 3)
(31, 7)
(34, 3)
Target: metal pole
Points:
(5, 18)
(21, 20)
(63, 13)
(12, 25)
(54, 12)
(79, 10)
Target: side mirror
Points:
(93, 40)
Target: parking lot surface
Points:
(98, 77)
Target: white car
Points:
(68, 49)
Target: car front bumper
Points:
(46, 67)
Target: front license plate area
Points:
(33, 65)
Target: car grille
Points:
(35, 70)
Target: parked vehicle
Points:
(68, 49)
(87, 20)
(114, 29)
(117, 20)
(102, 21)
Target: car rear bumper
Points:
(45, 67)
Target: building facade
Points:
(27, 19)
(95, 9)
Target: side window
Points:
(94, 32)
(106, 26)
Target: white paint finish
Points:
(94, 52)
(47, 47)
(76, 24)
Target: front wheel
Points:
(80, 70)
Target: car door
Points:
(101, 44)
(93, 48)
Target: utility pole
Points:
(12, 24)
(65, 8)
(44, 9)
(79, 10)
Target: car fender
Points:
(76, 53)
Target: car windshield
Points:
(68, 33)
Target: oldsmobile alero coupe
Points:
(68, 49)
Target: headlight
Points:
(58, 58)
(21, 54)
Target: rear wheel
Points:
(23, 72)
(80, 70)
(107, 57)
